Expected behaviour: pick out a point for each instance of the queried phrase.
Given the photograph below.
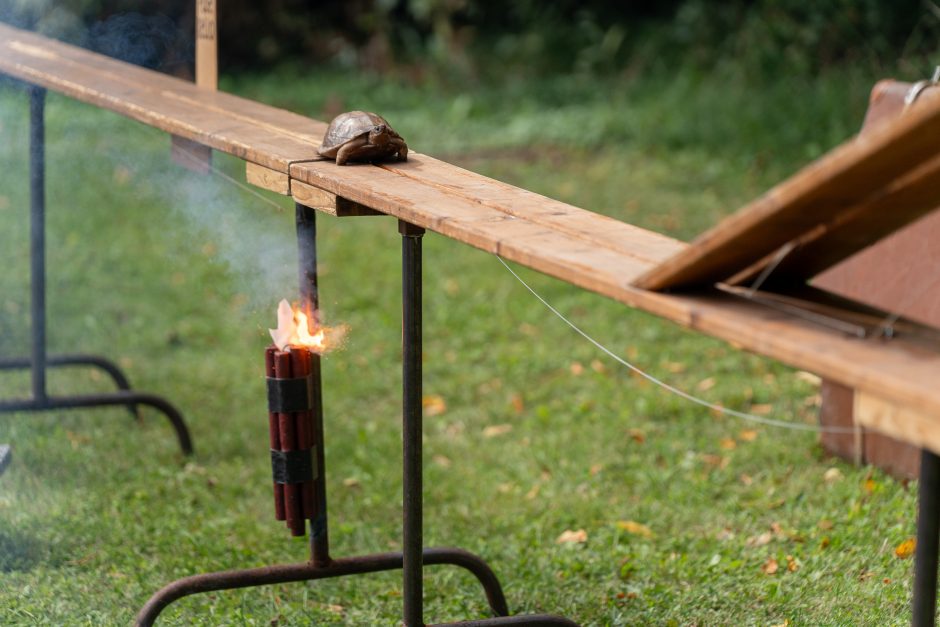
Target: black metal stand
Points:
(39, 362)
(924, 604)
(414, 556)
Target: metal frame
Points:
(412, 559)
(39, 361)
(924, 602)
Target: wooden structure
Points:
(831, 208)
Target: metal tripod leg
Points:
(924, 604)
(39, 361)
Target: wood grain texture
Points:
(266, 178)
(854, 176)
(583, 248)
(329, 203)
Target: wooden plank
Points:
(207, 50)
(897, 421)
(191, 155)
(327, 202)
(579, 247)
(268, 179)
(251, 131)
(850, 175)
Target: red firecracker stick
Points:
(303, 422)
(293, 506)
(274, 436)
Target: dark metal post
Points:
(412, 540)
(310, 303)
(928, 542)
(37, 237)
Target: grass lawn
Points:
(530, 432)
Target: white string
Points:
(198, 161)
(682, 394)
(689, 397)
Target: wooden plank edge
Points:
(328, 202)
(901, 423)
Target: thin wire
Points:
(197, 161)
(670, 388)
(682, 394)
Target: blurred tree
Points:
(466, 37)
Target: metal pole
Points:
(928, 542)
(310, 303)
(37, 237)
(412, 541)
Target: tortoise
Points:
(361, 136)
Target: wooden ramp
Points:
(606, 256)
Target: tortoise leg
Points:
(402, 149)
(349, 149)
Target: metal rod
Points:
(267, 575)
(412, 540)
(37, 237)
(924, 604)
(107, 399)
(310, 303)
(109, 367)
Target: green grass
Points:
(177, 276)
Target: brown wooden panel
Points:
(854, 173)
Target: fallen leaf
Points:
(572, 537)
(748, 435)
(869, 485)
(716, 461)
(576, 368)
(728, 444)
(351, 482)
(495, 430)
(777, 529)
(832, 475)
(598, 366)
(442, 461)
(534, 492)
(759, 540)
(906, 548)
(518, 404)
(770, 567)
(762, 409)
(785, 623)
(434, 405)
(595, 468)
(825, 524)
(792, 565)
(637, 435)
(675, 367)
(506, 488)
(637, 529)
(825, 542)
(705, 384)
(746, 479)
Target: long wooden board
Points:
(850, 179)
(586, 249)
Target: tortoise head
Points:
(379, 135)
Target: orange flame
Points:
(292, 330)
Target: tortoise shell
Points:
(361, 136)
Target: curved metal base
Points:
(102, 363)
(266, 575)
(124, 397)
